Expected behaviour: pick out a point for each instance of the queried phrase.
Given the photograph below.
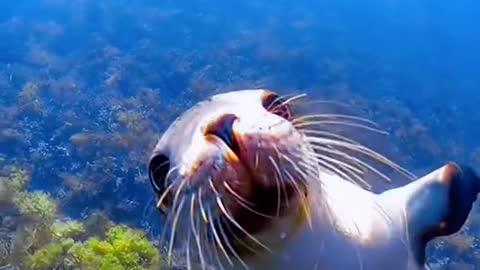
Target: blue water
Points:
(412, 66)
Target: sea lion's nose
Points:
(222, 127)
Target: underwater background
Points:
(87, 87)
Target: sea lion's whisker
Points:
(164, 195)
(295, 166)
(323, 134)
(353, 167)
(163, 236)
(294, 98)
(239, 240)
(183, 181)
(154, 171)
(194, 223)
(344, 167)
(229, 217)
(224, 210)
(353, 159)
(302, 196)
(192, 213)
(200, 202)
(174, 225)
(279, 192)
(366, 151)
(307, 163)
(215, 252)
(341, 173)
(331, 116)
(354, 143)
(303, 178)
(340, 163)
(174, 216)
(189, 259)
(279, 175)
(310, 166)
(160, 166)
(319, 101)
(274, 104)
(335, 152)
(169, 173)
(217, 237)
(212, 186)
(229, 246)
(240, 200)
(340, 123)
(283, 100)
(297, 169)
(236, 195)
(324, 147)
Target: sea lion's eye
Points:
(158, 170)
(276, 105)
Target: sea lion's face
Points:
(227, 169)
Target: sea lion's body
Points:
(234, 157)
(363, 237)
(326, 246)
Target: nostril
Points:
(222, 127)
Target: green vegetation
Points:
(123, 248)
(50, 255)
(48, 242)
(68, 229)
(36, 205)
(14, 181)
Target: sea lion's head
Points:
(231, 173)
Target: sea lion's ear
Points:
(439, 203)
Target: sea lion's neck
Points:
(351, 210)
(347, 223)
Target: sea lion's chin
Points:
(258, 201)
(251, 218)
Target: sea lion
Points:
(246, 180)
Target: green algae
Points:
(37, 205)
(45, 240)
(50, 255)
(123, 248)
(14, 182)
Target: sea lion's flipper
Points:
(438, 204)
